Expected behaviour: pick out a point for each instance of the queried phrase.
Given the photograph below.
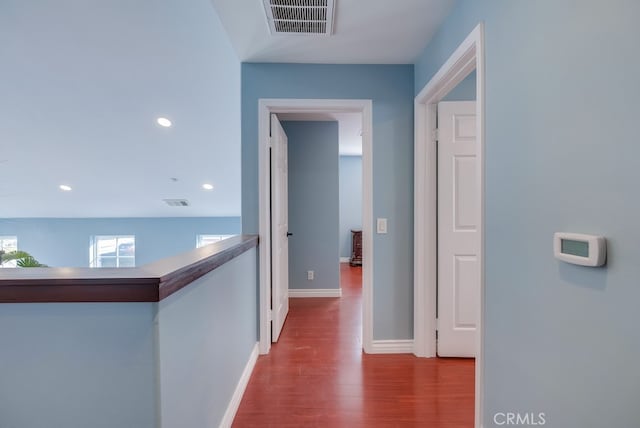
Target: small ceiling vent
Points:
(300, 16)
(176, 202)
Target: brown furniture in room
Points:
(356, 247)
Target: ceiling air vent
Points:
(176, 202)
(300, 16)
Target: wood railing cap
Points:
(148, 283)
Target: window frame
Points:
(3, 238)
(95, 259)
(213, 238)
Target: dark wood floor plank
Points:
(318, 376)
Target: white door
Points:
(280, 228)
(458, 236)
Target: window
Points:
(8, 244)
(210, 239)
(112, 251)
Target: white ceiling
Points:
(349, 128)
(365, 32)
(83, 81)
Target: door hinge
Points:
(435, 134)
(270, 315)
(437, 324)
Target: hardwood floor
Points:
(318, 376)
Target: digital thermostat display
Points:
(580, 249)
(575, 248)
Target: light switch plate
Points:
(382, 225)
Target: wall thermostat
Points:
(580, 249)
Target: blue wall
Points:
(350, 200)
(465, 90)
(313, 204)
(78, 365)
(206, 333)
(64, 242)
(170, 364)
(561, 155)
(391, 89)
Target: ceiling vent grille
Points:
(176, 202)
(300, 16)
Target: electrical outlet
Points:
(310, 275)
(381, 226)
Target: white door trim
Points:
(265, 108)
(467, 57)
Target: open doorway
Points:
(319, 239)
(350, 177)
(463, 264)
(268, 223)
(350, 173)
(325, 201)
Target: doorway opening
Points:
(268, 223)
(325, 200)
(350, 198)
(468, 57)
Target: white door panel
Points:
(280, 222)
(464, 206)
(458, 237)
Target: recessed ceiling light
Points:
(65, 187)
(207, 186)
(163, 121)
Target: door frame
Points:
(467, 57)
(265, 108)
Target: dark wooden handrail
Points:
(148, 283)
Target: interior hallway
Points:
(318, 376)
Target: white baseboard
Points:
(236, 398)
(392, 347)
(315, 292)
(344, 259)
